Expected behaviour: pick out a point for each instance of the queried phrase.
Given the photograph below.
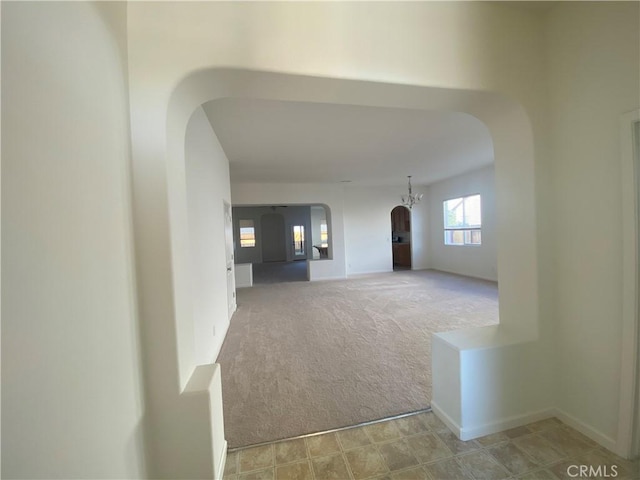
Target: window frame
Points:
(468, 230)
(324, 234)
(252, 227)
(299, 245)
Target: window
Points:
(324, 235)
(247, 234)
(463, 221)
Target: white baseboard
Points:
(469, 433)
(322, 279)
(588, 431)
(464, 274)
(368, 272)
(505, 424)
(220, 473)
(446, 419)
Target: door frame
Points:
(628, 443)
(305, 246)
(229, 258)
(407, 211)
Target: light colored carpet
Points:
(305, 357)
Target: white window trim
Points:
(464, 229)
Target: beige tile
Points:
(294, 471)
(634, 469)
(578, 436)
(428, 447)
(607, 460)
(433, 422)
(266, 474)
(456, 445)
(230, 477)
(539, 449)
(492, 439)
(545, 424)
(410, 425)
(365, 462)
(332, 467)
(612, 456)
(517, 432)
(603, 469)
(447, 470)
(353, 438)
(564, 442)
(560, 469)
(397, 455)
(417, 473)
(231, 464)
(511, 457)
(290, 451)
(383, 431)
(568, 469)
(323, 445)
(543, 474)
(482, 466)
(256, 458)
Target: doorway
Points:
(273, 238)
(299, 244)
(401, 238)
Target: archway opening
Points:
(511, 135)
(401, 238)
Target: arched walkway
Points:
(163, 270)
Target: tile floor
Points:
(421, 447)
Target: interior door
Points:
(231, 280)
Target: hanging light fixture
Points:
(411, 199)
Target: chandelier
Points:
(411, 199)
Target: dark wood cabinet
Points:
(401, 226)
(402, 254)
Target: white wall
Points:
(318, 217)
(593, 51)
(420, 228)
(367, 223)
(207, 175)
(49, 78)
(367, 226)
(454, 55)
(72, 402)
(477, 260)
(460, 49)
